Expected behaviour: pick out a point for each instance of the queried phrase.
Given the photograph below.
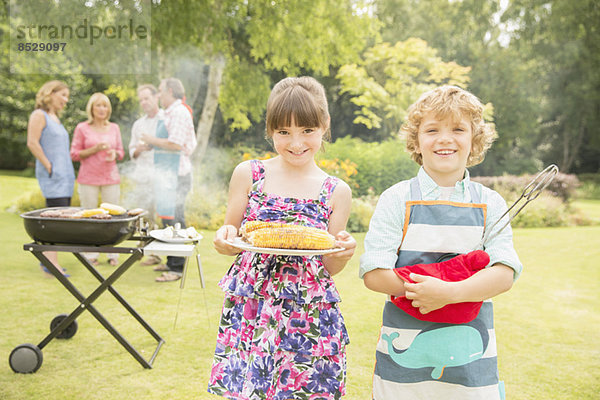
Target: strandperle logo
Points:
(83, 30)
(75, 36)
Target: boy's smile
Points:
(445, 145)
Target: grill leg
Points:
(86, 303)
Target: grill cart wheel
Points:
(68, 332)
(25, 359)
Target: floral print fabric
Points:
(281, 334)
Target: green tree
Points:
(247, 43)
(18, 88)
(389, 78)
(564, 40)
(470, 33)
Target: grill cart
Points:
(99, 236)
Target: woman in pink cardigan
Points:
(97, 145)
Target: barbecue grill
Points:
(78, 236)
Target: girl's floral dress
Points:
(281, 334)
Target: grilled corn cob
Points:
(113, 209)
(291, 237)
(89, 212)
(251, 226)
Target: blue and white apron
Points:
(166, 168)
(427, 360)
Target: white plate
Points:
(159, 234)
(240, 244)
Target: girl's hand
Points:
(224, 234)
(345, 240)
(428, 293)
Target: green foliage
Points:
(207, 203)
(361, 212)
(562, 37)
(588, 210)
(244, 96)
(263, 41)
(503, 73)
(545, 211)
(563, 186)
(552, 208)
(590, 186)
(389, 78)
(378, 165)
(206, 207)
(18, 87)
(292, 36)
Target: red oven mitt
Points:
(456, 269)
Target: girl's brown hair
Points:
(43, 97)
(302, 99)
(449, 101)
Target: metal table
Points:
(27, 358)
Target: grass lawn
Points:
(13, 187)
(547, 325)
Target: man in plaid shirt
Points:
(182, 139)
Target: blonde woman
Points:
(97, 145)
(48, 141)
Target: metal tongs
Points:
(530, 193)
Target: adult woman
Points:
(97, 145)
(48, 141)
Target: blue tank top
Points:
(55, 143)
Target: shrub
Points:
(207, 203)
(30, 201)
(550, 209)
(206, 206)
(361, 213)
(378, 165)
(510, 186)
(34, 200)
(545, 211)
(590, 186)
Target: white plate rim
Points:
(240, 244)
(157, 234)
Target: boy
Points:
(415, 222)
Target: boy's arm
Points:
(429, 293)
(384, 281)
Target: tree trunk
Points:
(215, 75)
(572, 148)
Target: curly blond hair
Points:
(449, 101)
(43, 98)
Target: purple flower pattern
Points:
(281, 334)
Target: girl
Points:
(281, 334)
(48, 141)
(97, 145)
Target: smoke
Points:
(210, 175)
